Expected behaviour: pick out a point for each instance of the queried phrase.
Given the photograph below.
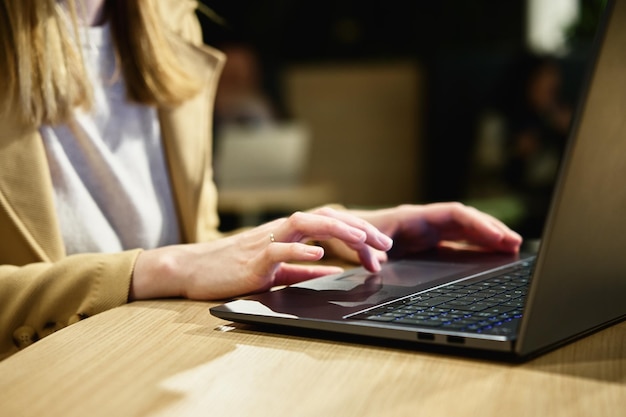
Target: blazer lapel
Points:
(26, 198)
(186, 131)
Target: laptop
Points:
(497, 305)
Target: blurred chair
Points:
(365, 124)
(272, 155)
(259, 171)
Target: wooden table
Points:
(172, 358)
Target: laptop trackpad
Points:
(335, 296)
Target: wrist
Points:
(155, 275)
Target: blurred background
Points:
(372, 104)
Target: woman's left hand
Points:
(415, 228)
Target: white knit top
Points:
(111, 182)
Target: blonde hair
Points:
(42, 69)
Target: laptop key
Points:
(433, 301)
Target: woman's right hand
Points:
(257, 259)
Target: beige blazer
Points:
(42, 289)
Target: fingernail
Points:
(385, 241)
(315, 251)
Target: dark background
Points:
(463, 47)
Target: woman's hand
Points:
(257, 259)
(415, 228)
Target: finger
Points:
(494, 221)
(455, 221)
(304, 226)
(496, 233)
(481, 228)
(382, 256)
(375, 237)
(340, 250)
(368, 259)
(267, 261)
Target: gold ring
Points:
(272, 238)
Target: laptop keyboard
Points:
(491, 306)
